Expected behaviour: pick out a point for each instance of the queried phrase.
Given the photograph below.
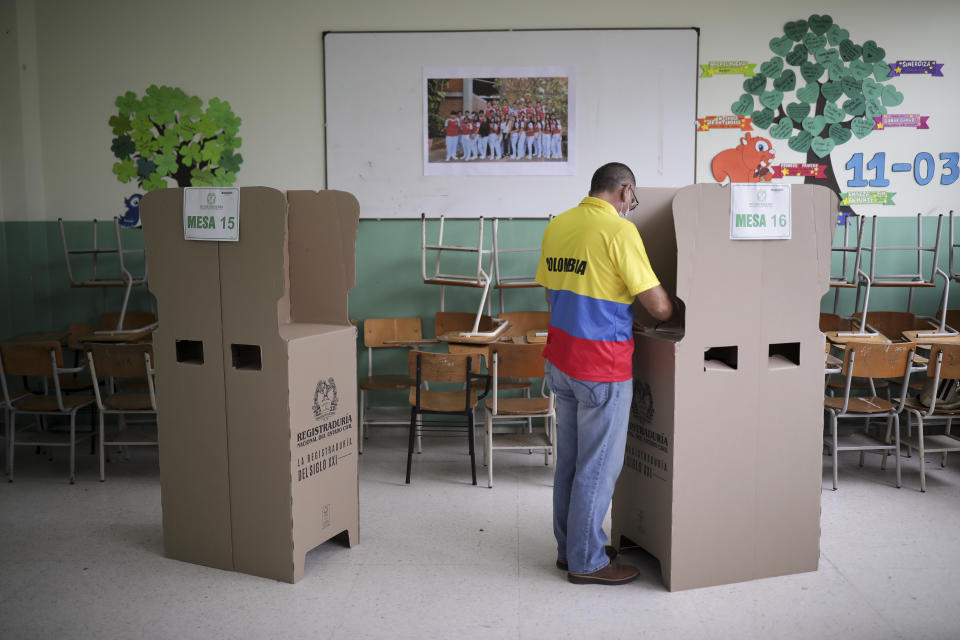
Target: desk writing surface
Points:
(833, 337)
(537, 336)
(924, 342)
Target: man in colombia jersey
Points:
(594, 266)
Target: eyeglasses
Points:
(636, 202)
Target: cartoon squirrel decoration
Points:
(747, 162)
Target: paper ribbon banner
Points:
(797, 169)
(909, 120)
(727, 67)
(922, 67)
(725, 122)
(853, 198)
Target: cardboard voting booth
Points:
(256, 374)
(722, 473)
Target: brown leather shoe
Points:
(610, 551)
(611, 574)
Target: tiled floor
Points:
(443, 559)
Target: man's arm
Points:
(656, 302)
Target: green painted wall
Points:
(37, 295)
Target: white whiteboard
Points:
(635, 102)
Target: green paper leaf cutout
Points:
(192, 108)
(822, 146)
(860, 69)
(218, 109)
(855, 106)
(881, 71)
(798, 55)
(872, 52)
(826, 56)
(839, 133)
(207, 127)
(813, 124)
(871, 90)
(743, 106)
(223, 178)
(782, 45)
(122, 147)
(145, 167)
(811, 71)
(837, 70)
(186, 129)
(190, 154)
(800, 142)
(814, 41)
(850, 86)
(797, 111)
(836, 35)
(772, 67)
(809, 93)
(786, 82)
(850, 51)
(125, 170)
(166, 163)
(874, 109)
(782, 129)
(154, 182)
(833, 113)
(795, 30)
(211, 152)
(201, 178)
(761, 119)
(771, 99)
(231, 161)
(229, 142)
(169, 141)
(861, 127)
(127, 103)
(230, 124)
(119, 124)
(755, 84)
(890, 96)
(831, 90)
(820, 24)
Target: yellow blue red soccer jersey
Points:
(593, 263)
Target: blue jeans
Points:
(591, 438)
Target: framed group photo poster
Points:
(498, 121)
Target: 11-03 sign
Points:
(760, 212)
(211, 213)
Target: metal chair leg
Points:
(413, 423)
(488, 448)
(896, 451)
(833, 431)
(922, 453)
(419, 434)
(472, 445)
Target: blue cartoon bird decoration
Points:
(131, 217)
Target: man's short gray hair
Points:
(610, 176)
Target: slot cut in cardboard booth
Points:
(256, 376)
(722, 474)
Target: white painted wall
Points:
(265, 59)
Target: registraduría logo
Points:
(325, 399)
(641, 409)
